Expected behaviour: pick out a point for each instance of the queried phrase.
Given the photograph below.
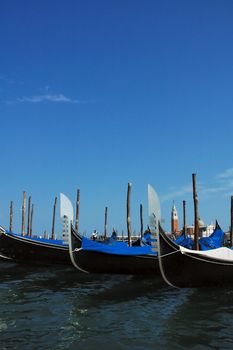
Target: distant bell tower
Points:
(174, 220)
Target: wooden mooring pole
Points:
(29, 215)
(23, 213)
(196, 216)
(105, 222)
(54, 214)
(11, 216)
(77, 210)
(30, 230)
(184, 218)
(231, 226)
(141, 220)
(128, 214)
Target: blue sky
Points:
(96, 94)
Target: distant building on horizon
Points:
(204, 230)
(174, 221)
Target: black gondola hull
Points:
(191, 270)
(31, 251)
(98, 262)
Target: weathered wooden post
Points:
(128, 214)
(196, 216)
(231, 228)
(23, 213)
(141, 220)
(77, 210)
(105, 222)
(184, 218)
(11, 216)
(54, 214)
(29, 215)
(32, 211)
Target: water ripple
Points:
(59, 308)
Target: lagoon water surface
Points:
(60, 308)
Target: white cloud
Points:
(47, 97)
(213, 190)
(226, 174)
(224, 183)
(222, 187)
(178, 192)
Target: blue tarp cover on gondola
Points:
(112, 241)
(147, 238)
(186, 242)
(215, 240)
(119, 248)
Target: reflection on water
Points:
(60, 308)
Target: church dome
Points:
(201, 223)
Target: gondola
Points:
(32, 250)
(181, 267)
(118, 258)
